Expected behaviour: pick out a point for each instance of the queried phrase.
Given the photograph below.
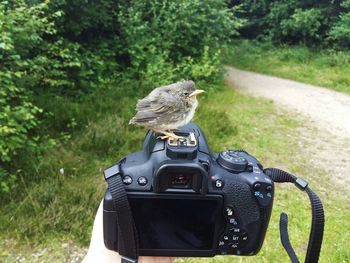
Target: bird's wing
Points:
(156, 106)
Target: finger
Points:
(97, 251)
(156, 260)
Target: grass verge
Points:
(325, 68)
(58, 208)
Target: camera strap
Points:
(127, 234)
(317, 226)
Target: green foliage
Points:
(56, 67)
(253, 12)
(295, 21)
(167, 35)
(302, 26)
(314, 23)
(65, 67)
(67, 49)
(22, 28)
(340, 32)
(86, 21)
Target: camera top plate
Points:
(188, 140)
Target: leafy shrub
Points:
(204, 69)
(168, 33)
(64, 67)
(289, 23)
(339, 34)
(86, 22)
(56, 67)
(303, 26)
(296, 22)
(253, 14)
(21, 29)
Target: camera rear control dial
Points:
(232, 161)
(232, 240)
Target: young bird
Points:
(167, 108)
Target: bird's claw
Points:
(172, 136)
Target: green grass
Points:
(59, 208)
(326, 68)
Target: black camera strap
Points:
(127, 234)
(316, 233)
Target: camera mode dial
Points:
(232, 161)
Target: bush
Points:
(288, 22)
(35, 59)
(303, 26)
(296, 22)
(22, 28)
(339, 34)
(170, 34)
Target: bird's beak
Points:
(196, 92)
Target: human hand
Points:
(99, 253)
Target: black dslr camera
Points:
(187, 201)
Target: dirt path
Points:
(326, 114)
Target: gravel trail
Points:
(326, 114)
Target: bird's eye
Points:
(186, 93)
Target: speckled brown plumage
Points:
(167, 108)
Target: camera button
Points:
(219, 183)
(233, 222)
(226, 237)
(244, 237)
(236, 238)
(127, 180)
(236, 230)
(233, 245)
(142, 181)
(229, 211)
(250, 168)
(257, 186)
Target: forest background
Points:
(71, 72)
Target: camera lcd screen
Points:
(181, 224)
